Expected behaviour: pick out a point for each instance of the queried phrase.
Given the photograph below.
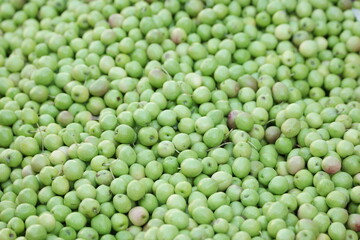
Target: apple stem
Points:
(42, 138)
(112, 173)
(253, 146)
(223, 144)
(86, 78)
(167, 73)
(270, 121)
(228, 134)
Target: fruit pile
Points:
(177, 120)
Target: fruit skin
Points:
(331, 164)
(244, 121)
(124, 134)
(203, 215)
(177, 218)
(101, 224)
(135, 190)
(89, 207)
(354, 222)
(7, 234)
(29, 146)
(231, 118)
(191, 167)
(80, 94)
(35, 231)
(138, 216)
(291, 127)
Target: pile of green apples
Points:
(179, 120)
